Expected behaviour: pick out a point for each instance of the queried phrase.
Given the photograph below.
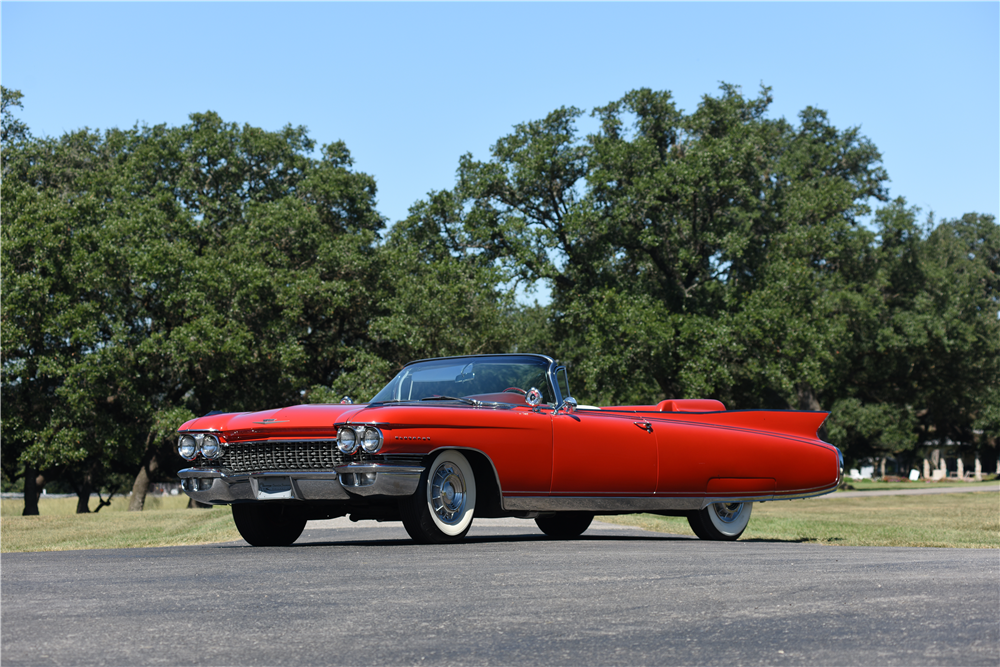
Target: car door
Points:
(519, 442)
(603, 454)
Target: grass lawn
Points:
(946, 520)
(164, 522)
(59, 506)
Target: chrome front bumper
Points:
(218, 486)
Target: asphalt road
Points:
(361, 594)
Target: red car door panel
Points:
(602, 454)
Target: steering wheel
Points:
(517, 390)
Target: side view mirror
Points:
(533, 397)
(346, 400)
(568, 405)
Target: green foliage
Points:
(873, 428)
(691, 250)
(920, 363)
(723, 254)
(157, 273)
(13, 130)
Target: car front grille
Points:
(276, 455)
(282, 455)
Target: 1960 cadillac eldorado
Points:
(500, 436)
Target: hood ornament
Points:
(272, 421)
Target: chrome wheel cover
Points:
(448, 493)
(728, 512)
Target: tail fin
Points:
(790, 422)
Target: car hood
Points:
(295, 418)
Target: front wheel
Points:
(721, 521)
(442, 508)
(266, 525)
(565, 525)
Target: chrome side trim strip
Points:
(599, 504)
(636, 504)
(800, 495)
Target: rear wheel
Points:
(267, 525)
(565, 525)
(721, 521)
(441, 510)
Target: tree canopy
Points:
(724, 253)
(155, 273)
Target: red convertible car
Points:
(500, 436)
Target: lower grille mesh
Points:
(283, 455)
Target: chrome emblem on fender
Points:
(272, 421)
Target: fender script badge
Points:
(272, 421)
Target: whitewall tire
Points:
(443, 507)
(721, 521)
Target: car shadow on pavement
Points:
(479, 539)
(797, 540)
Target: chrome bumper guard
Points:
(219, 486)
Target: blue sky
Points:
(412, 86)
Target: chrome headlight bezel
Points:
(347, 440)
(206, 445)
(211, 447)
(372, 439)
(187, 447)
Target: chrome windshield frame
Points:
(550, 374)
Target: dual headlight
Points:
(206, 444)
(352, 438)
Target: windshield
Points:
(503, 379)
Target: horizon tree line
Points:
(156, 273)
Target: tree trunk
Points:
(83, 494)
(927, 469)
(34, 482)
(881, 468)
(141, 485)
(961, 468)
(979, 468)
